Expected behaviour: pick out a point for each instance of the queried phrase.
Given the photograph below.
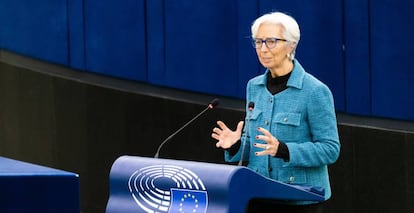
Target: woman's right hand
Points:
(225, 136)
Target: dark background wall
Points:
(79, 122)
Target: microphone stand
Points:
(250, 108)
(210, 106)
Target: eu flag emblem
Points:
(188, 201)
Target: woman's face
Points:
(275, 59)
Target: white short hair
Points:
(291, 27)
(291, 31)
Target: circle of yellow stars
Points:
(189, 196)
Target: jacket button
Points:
(267, 123)
(270, 169)
(285, 119)
(291, 179)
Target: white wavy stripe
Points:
(142, 185)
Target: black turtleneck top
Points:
(278, 84)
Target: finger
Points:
(262, 146)
(217, 130)
(261, 153)
(267, 136)
(260, 137)
(215, 136)
(264, 138)
(240, 126)
(266, 149)
(264, 131)
(222, 125)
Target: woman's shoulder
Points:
(315, 87)
(260, 79)
(310, 81)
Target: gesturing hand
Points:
(270, 147)
(225, 136)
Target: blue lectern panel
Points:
(140, 184)
(27, 187)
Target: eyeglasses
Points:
(270, 42)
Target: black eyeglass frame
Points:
(266, 40)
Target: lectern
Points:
(140, 184)
(26, 187)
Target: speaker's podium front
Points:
(139, 184)
(26, 187)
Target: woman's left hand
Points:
(270, 147)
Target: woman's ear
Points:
(291, 47)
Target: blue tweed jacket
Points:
(303, 117)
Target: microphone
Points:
(211, 105)
(250, 109)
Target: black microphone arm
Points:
(250, 109)
(211, 105)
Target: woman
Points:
(293, 130)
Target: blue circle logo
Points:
(168, 188)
